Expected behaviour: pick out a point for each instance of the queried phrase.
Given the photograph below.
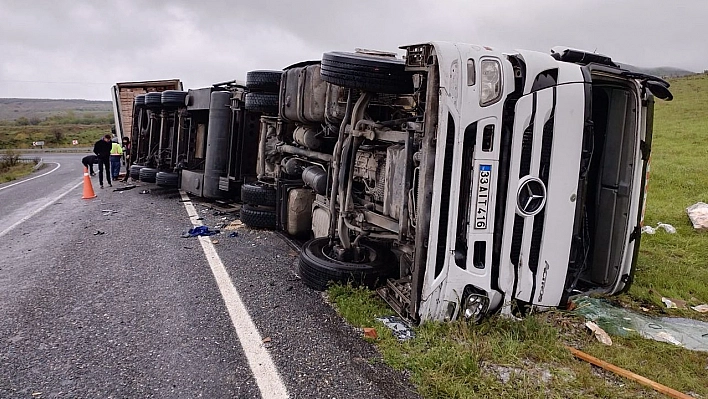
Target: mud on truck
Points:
(459, 180)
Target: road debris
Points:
(652, 230)
(700, 308)
(628, 374)
(235, 225)
(145, 192)
(108, 212)
(673, 303)
(599, 333)
(698, 215)
(266, 340)
(400, 329)
(200, 231)
(687, 333)
(130, 187)
(99, 232)
(370, 333)
(233, 234)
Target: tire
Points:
(173, 98)
(140, 100)
(167, 179)
(268, 81)
(147, 175)
(258, 194)
(256, 217)
(135, 171)
(318, 270)
(153, 100)
(366, 72)
(266, 103)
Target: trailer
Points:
(123, 96)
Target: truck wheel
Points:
(135, 171)
(256, 217)
(153, 100)
(268, 81)
(173, 98)
(167, 179)
(258, 194)
(266, 103)
(318, 268)
(147, 175)
(366, 72)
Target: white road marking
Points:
(266, 374)
(40, 209)
(32, 178)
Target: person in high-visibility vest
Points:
(116, 156)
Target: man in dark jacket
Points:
(102, 149)
(88, 162)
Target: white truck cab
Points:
(462, 180)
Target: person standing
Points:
(126, 154)
(102, 149)
(116, 155)
(88, 162)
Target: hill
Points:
(14, 108)
(662, 72)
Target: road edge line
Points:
(268, 379)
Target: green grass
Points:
(15, 172)
(54, 136)
(520, 359)
(676, 265)
(527, 358)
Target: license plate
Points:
(485, 175)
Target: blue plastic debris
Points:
(233, 234)
(200, 231)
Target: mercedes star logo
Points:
(531, 196)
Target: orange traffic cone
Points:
(88, 188)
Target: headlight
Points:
(475, 307)
(491, 82)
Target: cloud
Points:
(78, 49)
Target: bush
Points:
(57, 134)
(9, 159)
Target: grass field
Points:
(15, 172)
(54, 136)
(12, 167)
(527, 359)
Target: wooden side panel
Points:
(128, 92)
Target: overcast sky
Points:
(79, 49)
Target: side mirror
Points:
(659, 90)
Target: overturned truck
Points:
(202, 140)
(459, 180)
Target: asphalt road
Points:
(119, 305)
